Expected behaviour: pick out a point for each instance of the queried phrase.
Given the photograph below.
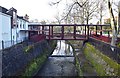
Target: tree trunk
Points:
(118, 17)
(113, 26)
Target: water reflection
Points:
(61, 63)
(63, 48)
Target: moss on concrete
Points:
(77, 64)
(28, 49)
(97, 58)
(118, 45)
(37, 63)
(34, 65)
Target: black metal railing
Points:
(6, 44)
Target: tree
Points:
(43, 22)
(101, 9)
(119, 17)
(117, 5)
(57, 17)
(113, 25)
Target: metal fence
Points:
(6, 44)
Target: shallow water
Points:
(59, 66)
(63, 49)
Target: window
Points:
(17, 25)
(17, 34)
(20, 26)
(23, 26)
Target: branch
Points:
(54, 3)
(72, 8)
(111, 14)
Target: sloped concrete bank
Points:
(105, 48)
(104, 65)
(26, 59)
(84, 68)
(90, 61)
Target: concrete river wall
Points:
(26, 58)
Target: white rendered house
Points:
(22, 25)
(11, 27)
(5, 26)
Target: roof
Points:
(10, 12)
(4, 10)
(34, 23)
(21, 17)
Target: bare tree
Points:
(101, 9)
(119, 17)
(113, 25)
(87, 9)
(57, 17)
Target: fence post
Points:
(88, 32)
(2, 44)
(74, 31)
(101, 30)
(108, 34)
(96, 29)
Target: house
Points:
(22, 24)
(34, 29)
(37, 31)
(19, 24)
(5, 26)
(12, 27)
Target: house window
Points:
(23, 26)
(17, 25)
(13, 37)
(17, 34)
(20, 26)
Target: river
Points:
(60, 63)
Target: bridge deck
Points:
(66, 38)
(51, 31)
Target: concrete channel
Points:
(60, 63)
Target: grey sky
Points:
(36, 9)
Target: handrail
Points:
(68, 25)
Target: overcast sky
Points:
(36, 9)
